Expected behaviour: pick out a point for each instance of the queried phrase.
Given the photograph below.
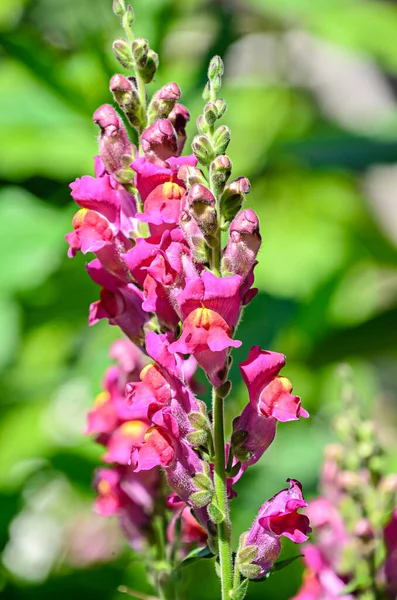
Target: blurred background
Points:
(312, 94)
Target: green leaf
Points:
(241, 591)
(196, 555)
(278, 566)
(32, 242)
(281, 564)
(215, 513)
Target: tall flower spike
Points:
(179, 295)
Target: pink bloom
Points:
(331, 535)
(260, 432)
(270, 394)
(149, 175)
(220, 294)
(320, 582)
(124, 440)
(278, 516)
(206, 335)
(191, 532)
(162, 208)
(120, 304)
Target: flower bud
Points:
(232, 197)
(163, 101)
(221, 139)
(202, 149)
(194, 237)
(122, 51)
(159, 142)
(140, 49)
(220, 171)
(126, 95)
(201, 204)
(191, 175)
(363, 530)
(118, 7)
(215, 67)
(210, 113)
(221, 107)
(113, 139)
(243, 245)
(179, 116)
(148, 71)
(202, 125)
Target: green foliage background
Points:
(327, 272)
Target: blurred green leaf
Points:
(34, 235)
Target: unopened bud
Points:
(202, 125)
(221, 139)
(221, 107)
(191, 175)
(122, 51)
(113, 139)
(232, 197)
(243, 245)
(194, 237)
(202, 149)
(215, 67)
(163, 101)
(140, 49)
(179, 117)
(159, 141)
(126, 95)
(363, 530)
(118, 7)
(148, 71)
(210, 113)
(220, 171)
(201, 203)
(128, 17)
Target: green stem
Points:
(236, 577)
(224, 528)
(141, 88)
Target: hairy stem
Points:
(224, 528)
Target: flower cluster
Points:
(153, 218)
(355, 548)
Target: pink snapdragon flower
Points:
(277, 517)
(320, 582)
(269, 393)
(207, 336)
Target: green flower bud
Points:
(191, 175)
(140, 49)
(221, 139)
(128, 17)
(149, 70)
(210, 113)
(221, 107)
(202, 124)
(202, 149)
(118, 7)
(215, 67)
(122, 51)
